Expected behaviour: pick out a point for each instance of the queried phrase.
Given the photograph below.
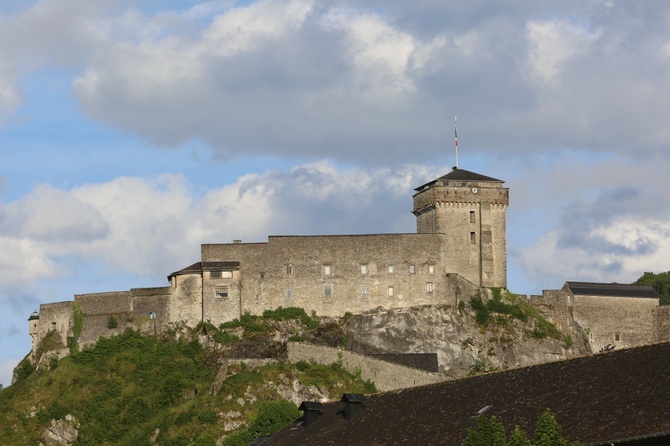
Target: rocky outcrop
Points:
(61, 432)
(462, 346)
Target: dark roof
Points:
(460, 175)
(611, 289)
(311, 405)
(34, 315)
(199, 267)
(603, 397)
(422, 361)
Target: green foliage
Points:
(207, 416)
(292, 313)
(24, 369)
(112, 322)
(205, 440)
(547, 431)
(224, 338)
(660, 282)
(250, 324)
(461, 307)
(302, 365)
(491, 432)
(272, 417)
(518, 438)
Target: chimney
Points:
(353, 403)
(311, 411)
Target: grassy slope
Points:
(129, 388)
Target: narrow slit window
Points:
(327, 291)
(391, 269)
(289, 270)
(364, 269)
(411, 269)
(472, 216)
(327, 270)
(364, 291)
(473, 238)
(431, 268)
(430, 287)
(391, 291)
(617, 337)
(289, 293)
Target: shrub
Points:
(292, 313)
(272, 417)
(24, 370)
(207, 416)
(112, 322)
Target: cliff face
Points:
(463, 347)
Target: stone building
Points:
(459, 248)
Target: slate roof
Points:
(611, 289)
(598, 398)
(422, 361)
(460, 175)
(199, 267)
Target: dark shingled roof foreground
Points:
(611, 289)
(604, 397)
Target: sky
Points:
(133, 131)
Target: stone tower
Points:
(469, 209)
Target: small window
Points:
(429, 287)
(391, 291)
(431, 268)
(327, 270)
(289, 270)
(221, 292)
(262, 275)
(364, 291)
(391, 269)
(473, 238)
(327, 291)
(472, 216)
(215, 274)
(617, 337)
(411, 269)
(227, 274)
(364, 269)
(289, 293)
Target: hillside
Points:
(225, 385)
(136, 390)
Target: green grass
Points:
(127, 386)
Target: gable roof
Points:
(611, 289)
(199, 267)
(598, 398)
(461, 175)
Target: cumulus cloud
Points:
(150, 227)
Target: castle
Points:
(459, 248)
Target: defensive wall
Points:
(385, 375)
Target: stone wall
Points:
(58, 316)
(663, 323)
(386, 376)
(617, 321)
(332, 274)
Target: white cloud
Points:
(7, 370)
(150, 227)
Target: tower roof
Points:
(460, 175)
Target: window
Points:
(391, 291)
(411, 269)
(429, 287)
(364, 269)
(473, 238)
(215, 274)
(617, 337)
(221, 274)
(327, 270)
(472, 216)
(289, 293)
(364, 291)
(390, 269)
(431, 268)
(289, 270)
(327, 291)
(221, 292)
(262, 275)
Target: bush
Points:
(24, 369)
(272, 417)
(207, 416)
(112, 322)
(224, 338)
(291, 313)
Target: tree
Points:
(489, 432)
(660, 282)
(547, 431)
(518, 437)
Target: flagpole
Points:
(456, 138)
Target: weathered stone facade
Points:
(459, 248)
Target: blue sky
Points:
(132, 132)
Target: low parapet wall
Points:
(385, 375)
